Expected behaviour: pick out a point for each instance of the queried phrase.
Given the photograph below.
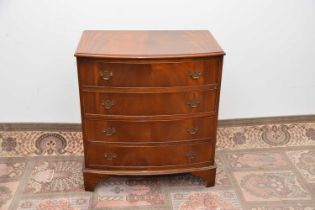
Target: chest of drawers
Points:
(149, 103)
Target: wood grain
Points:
(147, 44)
(94, 176)
(154, 131)
(102, 155)
(149, 103)
(169, 74)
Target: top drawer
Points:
(106, 74)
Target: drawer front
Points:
(102, 155)
(150, 131)
(96, 73)
(149, 103)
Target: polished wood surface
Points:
(93, 176)
(151, 131)
(147, 44)
(149, 74)
(101, 156)
(149, 103)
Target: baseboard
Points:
(266, 120)
(76, 127)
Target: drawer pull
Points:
(108, 104)
(191, 155)
(109, 131)
(110, 156)
(195, 74)
(192, 130)
(193, 103)
(106, 75)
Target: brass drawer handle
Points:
(193, 103)
(192, 130)
(191, 155)
(106, 75)
(195, 74)
(108, 103)
(110, 155)
(109, 131)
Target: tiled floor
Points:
(260, 167)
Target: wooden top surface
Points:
(147, 44)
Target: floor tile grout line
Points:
(20, 195)
(233, 183)
(254, 204)
(22, 184)
(300, 176)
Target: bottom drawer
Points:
(100, 155)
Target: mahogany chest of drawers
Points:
(149, 103)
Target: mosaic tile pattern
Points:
(137, 192)
(55, 176)
(257, 160)
(222, 178)
(266, 136)
(224, 199)
(142, 192)
(11, 169)
(271, 186)
(286, 207)
(40, 143)
(7, 191)
(304, 161)
(73, 203)
(260, 167)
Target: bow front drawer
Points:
(149, 103)
(150, 131)
(103, 155)
(105, 74)
(142, 104)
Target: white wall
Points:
(269, 68)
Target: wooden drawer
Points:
(102, 155)
(150, 131)
(97, 73)
(149, 103)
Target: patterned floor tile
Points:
(49, 176)
(226, 200)
(256, 160)
(72, 203)
(7, 191)
(148, 192)
(133, 192)
(43, 170)
(271, 186)
(182, 181)
(11, 168)
(221, 176)
(34, 143)
(304, 161)
(286, 207)
(266, 136)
